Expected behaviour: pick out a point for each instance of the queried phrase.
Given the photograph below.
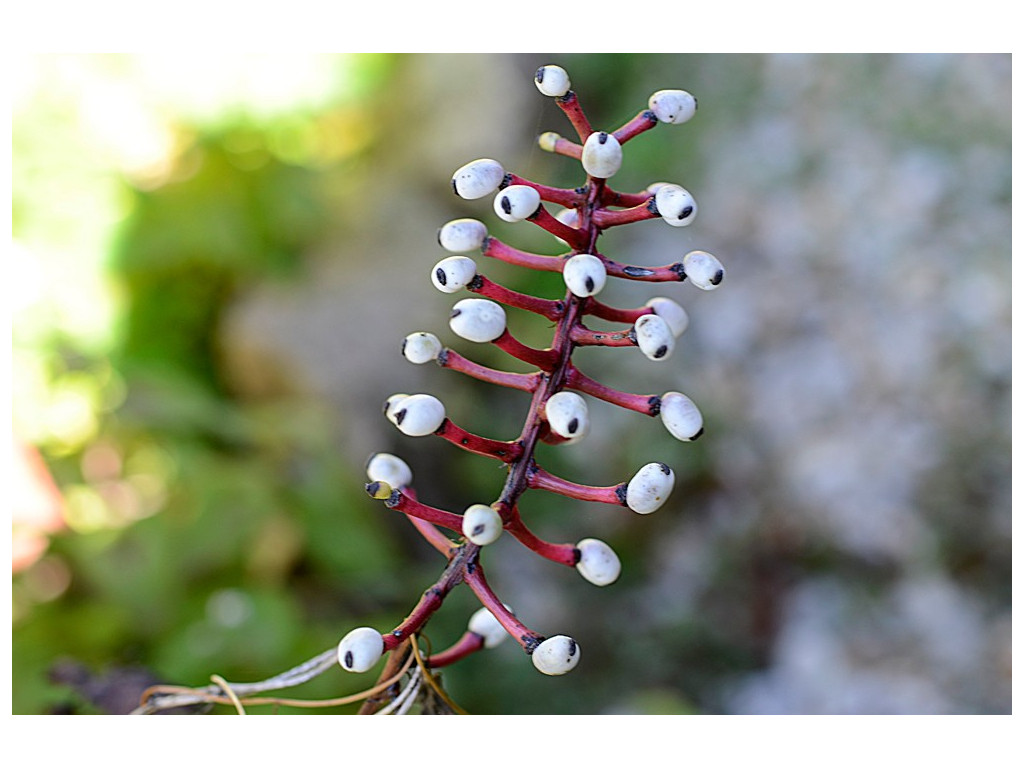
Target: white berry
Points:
(675, 204)
(598, 562)
(654, 337)
(478, 320)
(556, 655)
(453, 274)
(516, 203)
(478, 179)
(584, 274)
(672, 106)
(703, 269)
(481, 524)
(566, 413)
(650, 488)
(388, 468)
(391, 405)
(421, 347)
(681, 417)
(602, 155)
(484, 624)
(552, 80)
(462, 235)
(671, 312)
(360, 649)
(419, 415)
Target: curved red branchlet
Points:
(590, 209)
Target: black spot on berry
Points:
(349, 660)
(442, 276)
(660, 351)
(572, 647)
(589, 283)
(620, 493)
(506, 204)
(455, 188)
(602, 138)
(400, 416)
(456, 312)
(539, 77)
(404, 342)
(718, 277)
(573, 426)
(699, 433)
(665, 468)
(685, 212)
(478, 529)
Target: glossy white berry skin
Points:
(453, 273)
(598, 562)
(360, 649)
(478, 320)
(556, 655)
(602, 155)
(552, 80)
(421, 347)
(704, 270)
(462, 235)
(391, 405)
(650, 488)
(516, 203)
(388, 468)
(569, 216)
(484, 624)
(584, 274)
(654, 337)
(418, 415)
(567, 415)
(672, 106)
(481, 524)
(676, 206)
(672, 313)
(681, 416)
(478, 179)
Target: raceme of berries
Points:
(558, 412)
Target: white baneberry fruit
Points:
(584, 274)
(675, 204)
(672, 106)
(360, 649)
(453, 274)
(556, 655)
(602, 155)
(419, 415)
(566, 413)
(681, 417)
(481, 524)
(516, 203)
(598, 562)
(671, 312)
(650, 488)
(421, 347)
(478, 320)
(391, 405)
(654, 337)
(703, 269)
(484, 624)
(569, 216)
(388, 468)
(478, 179)
(462, 235)
(552, 80)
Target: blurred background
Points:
(215, 259)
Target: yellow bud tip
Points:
(379, 490)
(547, 141)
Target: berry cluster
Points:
(558, 411)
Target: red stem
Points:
(468, 644)
(545, 481)
(552, 310)
(566, 554)
(574, 237)
(449, 358)
(410, 506)
(670, 273)
(649, 405)
(624, 199)
(568, 198)
(614, 314)
(605, 218)
(523, 635)
(585, 337)
(482, 446)
(568, 148)
(542, 358)
(570, 104)
(644, 121)
(496, 249)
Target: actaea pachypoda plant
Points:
(558, 409)
(557, 413)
